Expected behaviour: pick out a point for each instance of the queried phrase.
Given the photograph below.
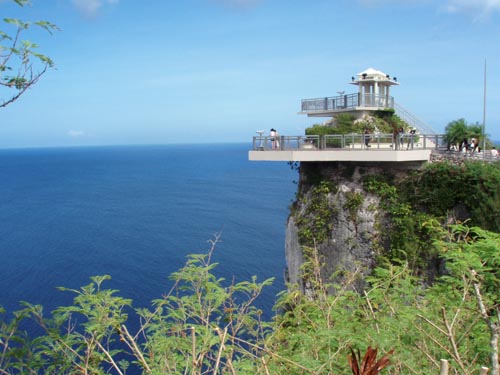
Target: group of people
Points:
(466, 146)
(400, 137)
(410, 137)
(471, 147)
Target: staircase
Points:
(412, 120)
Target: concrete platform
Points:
(375, 155)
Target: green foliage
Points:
(204, 327)
(472, 259)
(397, 311)
(23, 2)
(385, 114)
(318, 129)
(436, 194)
(442, 188)
(343, 124)
(409, 231)
(200, 326)
(386, 121)
(382, 121)
(20, 62)
(458, 130)
(78, 338)
(315, 225)
(354, 200)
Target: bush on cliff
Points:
(449, 191)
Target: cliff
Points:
(358, 214)
(336, 215)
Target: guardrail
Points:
(350, 142)
(488, 156)
(348, 101)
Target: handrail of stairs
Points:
(412, 120)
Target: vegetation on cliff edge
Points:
(206, 325)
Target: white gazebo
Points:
(374, 89)
(373, 94)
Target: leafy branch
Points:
(21, 65)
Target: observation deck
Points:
(329, 106)
(346, 147)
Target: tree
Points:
(458, 130)
(21, 65)
(473, 259)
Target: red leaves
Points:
(369, 365)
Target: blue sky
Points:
(183, 71)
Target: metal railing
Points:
(350, 142)
(412, 119)
(487, 156)
(348, 101)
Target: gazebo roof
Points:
(374, 75)
(372, 72)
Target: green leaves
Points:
(315, 223)
(20, 58)
(16, 22)
(23, 2)
(48, 26)
(205, 325)
(468, 191)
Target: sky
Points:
(210, 71)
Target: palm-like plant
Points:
(456, 131)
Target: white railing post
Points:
(444, 367)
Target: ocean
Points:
(135, 213)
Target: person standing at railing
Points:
(395, 139)
(368, 138)
(401, 133)
(411, 138)
(273, 134)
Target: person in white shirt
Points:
(273, 134)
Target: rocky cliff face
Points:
(336, 215)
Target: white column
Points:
(361, 95)
(382, 98)
(372, 91)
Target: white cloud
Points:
(402, 2)
(479, 8)
(76, 133)
(91, 7)
(238, 3)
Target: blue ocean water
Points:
(135, 212)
